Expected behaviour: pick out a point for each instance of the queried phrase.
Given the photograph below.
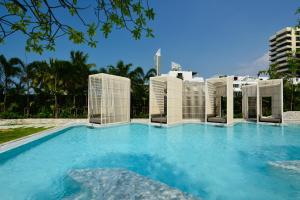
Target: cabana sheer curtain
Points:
(193, 106)
(109, 99)
(249, 101)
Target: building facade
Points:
(282, 44)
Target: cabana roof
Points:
(101, 75)
(270, 83)
(218, 81)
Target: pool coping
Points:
(4, 147)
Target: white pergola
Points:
(193, 100)
(272, 89)
(108, 99)
(218, 90)
(165, 104)
(253, 97)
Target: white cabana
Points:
(193, 100)
(270, 100)
(108, 99)
(165, 104)
(249, 102)
(219, 100)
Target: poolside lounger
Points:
(216, 119)
(270, 119)
(96, 119)
(157, 118)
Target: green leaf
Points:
(136, 33)
(72, 11)
(92, 43)
(92, 29)
(106, 29)
(150, 13)
(137, 7)
(140, 21)
(76, 36)
(149, 33)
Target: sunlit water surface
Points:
(206, 161)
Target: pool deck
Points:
(38, 122)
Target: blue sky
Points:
(207, 36)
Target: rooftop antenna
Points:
(157, 58)
(175, 66)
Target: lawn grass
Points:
(14, 133)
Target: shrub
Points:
(10, 115)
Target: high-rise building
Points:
(282, 44)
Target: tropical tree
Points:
(290, 74)
(40, 77)
(58, 74)
(9, 70)
(150, 73)
(26, 76)
(42, 23)
(272, 72)
(78, 73)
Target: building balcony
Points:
(281, 54)
(283, 37)
(282, 65)
(283, 42)
(284, 48)
(282, 59)
(272, 53)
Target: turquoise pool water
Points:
(206, 161)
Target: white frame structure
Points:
(264, 88)
(165, 102)
(193, 100)
(108, 99)
(215, 89)
(270, 88)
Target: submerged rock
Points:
(116, 184)
(290, 165)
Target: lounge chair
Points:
(96, 119)
(270, 119)
(216, 119)
(158, 118)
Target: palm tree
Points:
(26, 82)
(150, 73)
(59, 74)
(80, 70)
(272, 72)
(9, 70)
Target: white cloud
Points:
(252, 68)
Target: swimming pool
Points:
(206, 161)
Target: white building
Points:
(282, 44)
(177, 72)
(296, 81)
